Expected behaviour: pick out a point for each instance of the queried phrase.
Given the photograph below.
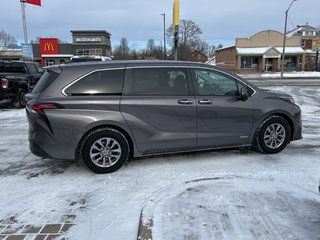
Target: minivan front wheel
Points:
(104, 150)
(273, 135)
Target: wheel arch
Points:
(284, 115)
(289, 120)
(24, 86)
(111, 126)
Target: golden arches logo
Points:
(48, 46)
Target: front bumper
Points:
(297, 134)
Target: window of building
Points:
(212, 83)
(106, 82)
(89, 52)
(82, 52)
(50, 62)
(156, 81)
(290, 62)
(37, 60)
(249, 62)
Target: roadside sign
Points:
(27, 52)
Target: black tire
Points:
(20, 101)
(273, 135)
(104, 150)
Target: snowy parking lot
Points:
(229, 194)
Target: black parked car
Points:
(106, 112)
(17, 79)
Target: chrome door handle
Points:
(185, 101)
(205, 101)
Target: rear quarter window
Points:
(101, 82)
(45, 81)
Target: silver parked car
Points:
(106, 112)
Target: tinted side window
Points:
(213, 83)
(156, 81)
(103, 82)
(13, 68)
(32, 69)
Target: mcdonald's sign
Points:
(49, 46)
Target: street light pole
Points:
(24, 24)
(164, 36)
(284, 37)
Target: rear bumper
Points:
(42, 142)
(6, 95)
(37, 150)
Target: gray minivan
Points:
(106, 112)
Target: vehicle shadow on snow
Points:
(6, 105)
(33, 167)
(190, 156)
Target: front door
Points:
(159, 109)
(269, 65)
(223, 119)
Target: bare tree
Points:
(189, 38)
(150, 47)
(7, 40)
(189, 32)
(201, 46)
(211, 51)
(122, 51)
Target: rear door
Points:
(159, 108)
(223, 119)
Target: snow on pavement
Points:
(234, 208)
(38, 191)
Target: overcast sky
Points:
(138, 20)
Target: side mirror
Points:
(243, 95)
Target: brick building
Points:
(261, 52)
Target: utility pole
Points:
(317, 60)
(284, 37)
(24, 24)
(175, 25)
(164, 37)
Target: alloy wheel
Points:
(105, 152)
(274, 136)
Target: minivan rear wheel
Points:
(104, 150)
(273, 135)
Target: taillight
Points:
(4, 83)
(37, 108)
